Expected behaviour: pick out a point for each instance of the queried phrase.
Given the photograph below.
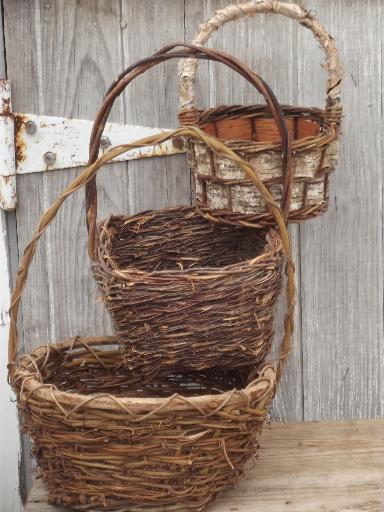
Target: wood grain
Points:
(152, 101)
(11, 450)
(25, 97)
(79, 71)
(311, 467)
(342, 252)
(91, 43)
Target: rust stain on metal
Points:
(3, 85)
(6, 107)
(178, 142)
(20, 146)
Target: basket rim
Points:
(329, 121)
(25, 380)
(272, 247)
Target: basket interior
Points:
(179, 239)
(100, 370)
(258, 129)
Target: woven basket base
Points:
(170, 445)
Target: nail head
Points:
(30, 127)
(178, 142)
(49, 158)
(104, 142)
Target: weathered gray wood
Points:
(10, 450)
(79, 70)
(24, 93)
(26, 97)
(311, 467)
(152, 101)
(255, 42)
(342, 253)
(10, 446)
(84, 54)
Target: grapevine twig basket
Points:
(188, 294)
(185, 293)
(223, 192)
(105, 441)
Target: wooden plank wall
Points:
(10, 438)
(65, 56)
(342, 254)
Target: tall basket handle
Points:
(139, 68)
(187, 68)
(89, 173)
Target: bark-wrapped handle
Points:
(89, 173)
(187, 68)
(139, 68)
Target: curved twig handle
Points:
(187, 68)
(139, 68)
(89, 173)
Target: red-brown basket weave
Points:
(185, 293)
(222, 190)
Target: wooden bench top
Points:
(302, 467)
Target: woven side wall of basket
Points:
(105, 441)
(185, 293)
(173, 444)
(222, 189)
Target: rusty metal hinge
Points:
(32, 143)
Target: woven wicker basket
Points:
(173, 281)
(222, 189)
(105, 441)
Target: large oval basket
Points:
(222, 189)
(184, 292)
(103, 440)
